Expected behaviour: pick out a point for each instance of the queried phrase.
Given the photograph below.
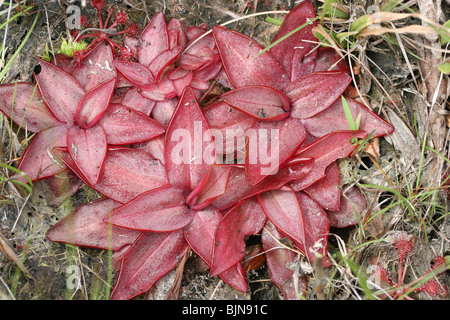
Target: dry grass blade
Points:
(11, 255)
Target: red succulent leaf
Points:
(232, 125)
(60, 91)
(124, 125)
(163, 111)
(23, 103)
(62, 155)
(152, 256)
(329, 60)
(163, 60)
(129, 172)
(269, 145)
(200, 236)
(317, 227)
(159, 210)
(36, 162)
(240, 221)
(324, 151)
(97, 67)
(181, 79)
(176, 34)
(263, 103)
(185, 162)
(60, 187)
(334, 119)
(345, 216)
(199, 84)
(212, 186)
(277, 260)
(282, 207)
(154, 40)
(154, 147)
(134, 72)
(94, 103)
(159, 91)
(291, 51)
(87, 147)
(239, 188)
(315, 92)
(133, 99)
(242, 65)
(326, 192)
(85, 227)
(200, 53)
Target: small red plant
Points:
(139, 132)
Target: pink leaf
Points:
(315, 92)
(200, 236)
(239, 189)
(334, 119)
(209, 70)
(263, 103)
(163, 60)
(176, 34)
(87, 147)
(345, 216)
(317, 227)
(239, 58)
(324, 151)
(134, 72)
(326, 192)
(133, 99)
(26, 107)
(229, 247)
(163, 111)
(85, 227)
(291, 51)
(60, 91)
(124, 125)
(36, 162)
(154, 39)
(232, 124)
(129, 172)
(185, 163)
(154, 147)
(94, 103)
(278, 259)
(282, 207)
(159, 210)
(152, 256)
(212, 186)
(159, 91)
(269, 145)
(97, 67)
(62, 155)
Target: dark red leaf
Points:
(324, 151)
(94, 103)
(97, 67)
(212, 186)
(159, 210)
(200, 236)
(152, 256)
(134, 72)
(334, 119)
(185, 162)
(329, 60)
(315, 92)
(85, 227)
(282, 207)
(129, 172)
(239, 189)
(87, 147)
(22, 101)
(124, 125)
(58, 188)
(352, 200)
(263, 103)
(326, 192)
(278, 259)
(36, 162)
(240, 221)
(291, 51)
(269, 145)
(60, 91)
(239, 58)
(154, 39)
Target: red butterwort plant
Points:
(179, 171)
